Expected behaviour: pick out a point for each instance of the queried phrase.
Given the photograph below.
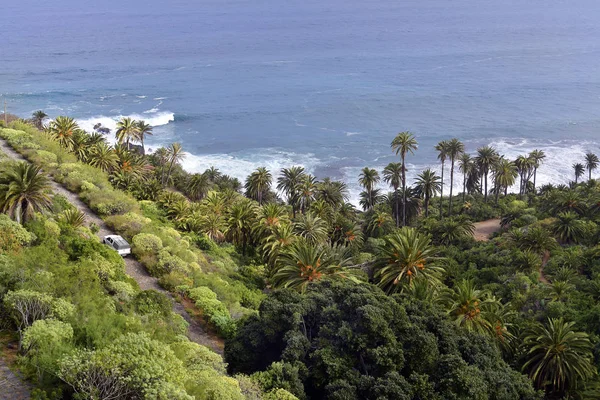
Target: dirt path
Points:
(484, 229)
(12, 386)
(545, 259)
(134, 269)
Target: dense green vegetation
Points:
(314, 298)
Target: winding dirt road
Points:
(134, 269)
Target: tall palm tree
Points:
(127, 130)
(591, 163)
(442, 149)
(392, 175)
(368, 178)
(335, 193)
(405, 255)
(143, 130)
(258, 184)
(525, 167)
(486, 157)
(23, 189)
(175, 155)
(199, 186)
(505, 174)
(62, 130)
(455, 149)
(579, 170)
(404, 143)
(289, 183)
(304, 263)
(465, 164)
(102, 156)
(241, 219)
(427, 185)
(538, 156)
(559, 358)
(306, 192)
(38, 118)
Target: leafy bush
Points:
(12, 235)
(214, 311)
(127, 225)
(144, 243)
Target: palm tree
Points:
(277, 242)
(455, 149)
(306, 192)
(465, 164)
(335, 193)
(304, 263)
(174, 155)
(486, 157)
(240, 221)
(38, 118)
(127, 130)
(23, 189)
(199, 186)
(579, 170)
(312, 228)
(454, 229)
(403, 144)
(405, 255)
(568, 227)
(72, 217)
(102, 156)
(442, 149)
(143, 129)
(505, 174)
(538, 157)
(289, 183)
(368, 178)
(472, 309)
(591, 163)
(392, 175)
(62, 130)
(559, 358)
(525, 167)
(258, 184)
(427, 185)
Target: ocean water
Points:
(321, 83)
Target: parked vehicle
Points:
(118, 243)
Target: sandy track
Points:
(485, 229)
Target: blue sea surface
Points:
(325, 84)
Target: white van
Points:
(118, 243)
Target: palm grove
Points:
(347, 292)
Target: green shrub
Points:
(214, 311)
(128, 225)
(152, 302)
(144, 243)
(12, 235)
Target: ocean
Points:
(325, 84)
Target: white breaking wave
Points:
(241, 165)
(153, 119)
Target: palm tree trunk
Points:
(169, 173)
(143, 149)
(442, 193)
(451, 183)
(590, 175)
(397, 215)
(464, 187)
(534, 177)
(486, 191)
(426, 205)
(403, 192)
